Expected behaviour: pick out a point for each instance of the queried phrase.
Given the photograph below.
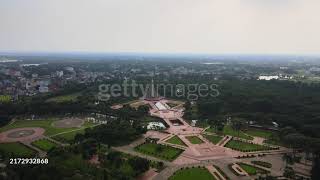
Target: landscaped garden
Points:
(227, 130)
(176, 140)
(213, 138)
(251, 170)
(200, 173)
(159, 151)
(246, 147)
(16, 150)
(194, 139)
(44, 144)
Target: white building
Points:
(267, 78)
(34, 75)
(160, 106)
(59, 73)
(155, 126)
(193, 123)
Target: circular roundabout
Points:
(21, 134)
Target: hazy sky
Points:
(193, 26)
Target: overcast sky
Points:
(171, 26)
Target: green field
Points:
(68, 137)
(213, 138)
(194, 139)
(44, 144)
(227, 130)
(45, 124)
(159, 151)
(246, 147)
(16, 150)
(64, 98)
(259, 133)
(176, 140)
(192, 174)
(251, 170)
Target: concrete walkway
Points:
(224, 141)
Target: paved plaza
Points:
(202, 153)
(21, 134)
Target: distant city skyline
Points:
(161, 26)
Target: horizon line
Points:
(151, 53)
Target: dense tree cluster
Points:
(287, 103)
(116, 132)
(70, 163)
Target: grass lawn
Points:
(262, 163)
(194, 139)
(176, 140)
(251, 170)
(16, 150)
(246, 147)
(192, 174)
(227, 130)
(44, 144)
(159, 151)
(64, 98)
(259, 133)
(45, 124)
(212, 138)
(68, 137)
